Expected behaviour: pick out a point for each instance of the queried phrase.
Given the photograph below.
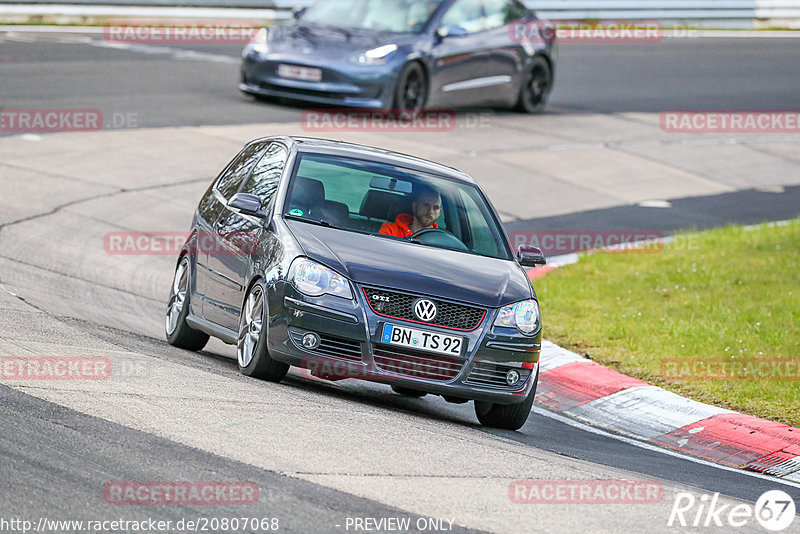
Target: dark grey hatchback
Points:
(303, 252)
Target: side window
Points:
(501, 12)
(229, 182)
(263, 181)
(466, 14)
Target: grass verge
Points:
(714, 316)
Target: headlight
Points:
(314, 279)
(260, 41)
(523, 315)
(376, 56)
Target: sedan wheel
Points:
(412, 88)
(178, 332)
(408, 392)
(536, 87)
(251, 345)
(506, 416)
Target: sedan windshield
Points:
(393, 202)
(400, 16)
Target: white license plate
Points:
(421, 339)
(300, 73)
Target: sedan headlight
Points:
(523, 315)
(260, 41)
(376, 56)
(314, 279)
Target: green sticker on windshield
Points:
(296, 212)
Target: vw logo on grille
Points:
(425, 310)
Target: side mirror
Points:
(530, 256)
(298, 12)
(450, 31)
(246, 204)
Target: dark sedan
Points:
(306, 252)
(405, 55)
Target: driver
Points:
(425, 209)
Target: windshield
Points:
(400, 16)
(386, 200)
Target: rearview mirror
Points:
(247, 204)
(530, 256)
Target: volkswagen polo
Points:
(294, 257)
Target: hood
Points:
(437, 272)
(319, 40)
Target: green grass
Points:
(728, 295)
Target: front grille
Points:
(416, 364)
(401, 306)
(331, 346)
(307, 92)
(494, 375)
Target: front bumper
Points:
(350, 347)
(341, 85)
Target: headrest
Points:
(307, 192)
(376, 203)
(399, 205)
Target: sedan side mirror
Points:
(450, 31)
(530, 256)
(298, 12)
(246, 204)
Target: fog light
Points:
(512, 377)
(311, 341)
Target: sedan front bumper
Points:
(341, 84)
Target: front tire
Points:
(408, 392)
(506, 416)
(251, 344)
(178, 332)
(536, 86)
(411, 93)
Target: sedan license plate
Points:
(422, 340)
(300, 73)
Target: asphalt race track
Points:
(323, 454)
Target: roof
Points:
(329, 146)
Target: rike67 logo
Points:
(774, 511)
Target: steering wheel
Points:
(438, 237)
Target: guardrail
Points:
(700, 13)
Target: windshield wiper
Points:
(396, 238)
(318, 222)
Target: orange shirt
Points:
(401, 227)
